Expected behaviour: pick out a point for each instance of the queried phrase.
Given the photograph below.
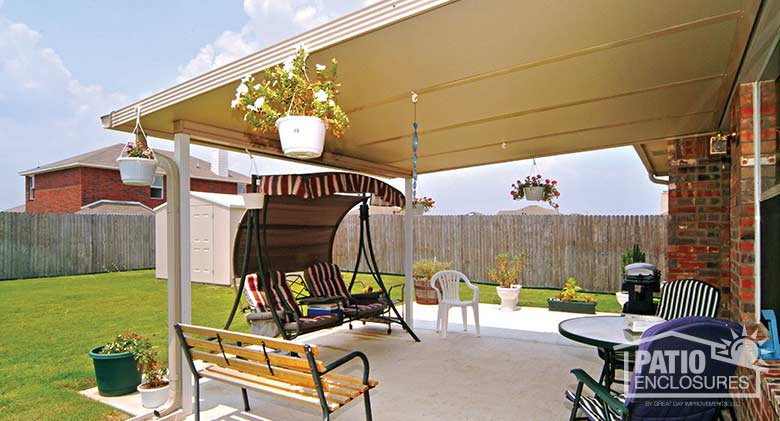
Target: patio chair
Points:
(324, 280)
(447, 286)
(687, 298)
(674, 335)
(260, 318)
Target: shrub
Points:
(507, 270)
(571, 292)
(424, 269)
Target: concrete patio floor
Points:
(518, 369)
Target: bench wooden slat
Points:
(289, 376)
(251, 384)
(339, 398)
(348, 379)
(255, 355)
(247, 339)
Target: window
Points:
(240, 188)
(157, 187)
(32, 187)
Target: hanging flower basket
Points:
(535, 189)
(301, 136)
(137, 165)
(300, 108)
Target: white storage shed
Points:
(214, 222)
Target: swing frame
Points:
(256, 234)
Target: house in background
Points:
(90, 183)
(530, 210)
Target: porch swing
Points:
(293, 231)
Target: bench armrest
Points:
(347, 358)
(266, 315)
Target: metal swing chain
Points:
(415, 143)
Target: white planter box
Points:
(302, 137)
(154, 398)
(137, 171)
(534, 193)
(254, 200)
(509, 297)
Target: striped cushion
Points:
(594, 409)
(325, 280)
(256, 298)
(688, 297)
(366, 310)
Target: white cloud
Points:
(45, 113)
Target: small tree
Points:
(633, 255)
(507, 270)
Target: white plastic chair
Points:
(447, 286)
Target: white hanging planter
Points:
(153, 398)
(416, 211)
(253, 200)
(137, 171)
(302, 137)
(535, 193)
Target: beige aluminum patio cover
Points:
(302, 214)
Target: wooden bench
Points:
(296, 375)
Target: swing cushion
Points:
(366, 310)
(325, 280)
(256, 298)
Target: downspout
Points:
(655, 180)
(757, 198)
(174, 401)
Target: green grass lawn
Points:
(49, 325)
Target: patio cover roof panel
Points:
(563, 77)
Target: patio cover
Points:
(498, 81)
(303, 213)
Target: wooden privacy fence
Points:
(588, 248)
(37, 245)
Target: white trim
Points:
(116, 202)
(757, 199)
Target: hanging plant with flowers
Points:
(549, 188)
(426, 203)
(138, 150)
(291, 90)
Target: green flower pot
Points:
(116, 374)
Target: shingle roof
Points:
(106, 158)
(16, 209)
(116, 207)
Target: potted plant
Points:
(155, 388)
(505, 274)
(300, 108)
(420, 205)
(117, 364)
(422, 272)
(137, 164)
(632, 255)
(572, 300)
(534, 188)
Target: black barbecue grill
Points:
(641, 280)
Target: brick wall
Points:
(698, 217)
(55, 192)
(68, 190)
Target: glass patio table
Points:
(605, 333)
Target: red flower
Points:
(554, 182)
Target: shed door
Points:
(202, 243)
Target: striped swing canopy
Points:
(302, 213)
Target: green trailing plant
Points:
(507, 270)
(424, 269)
(633, 255)
(288, 90)
(571, 292)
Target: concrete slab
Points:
(518, 369)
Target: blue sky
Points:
(63, 64)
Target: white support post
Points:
(409, 255)
(181, 154)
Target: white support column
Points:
(181, 154)
(409, 255)
(757, 198)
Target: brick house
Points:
(81, 181)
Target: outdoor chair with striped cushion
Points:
(325, 280)
(688, 298)
(261, 320)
